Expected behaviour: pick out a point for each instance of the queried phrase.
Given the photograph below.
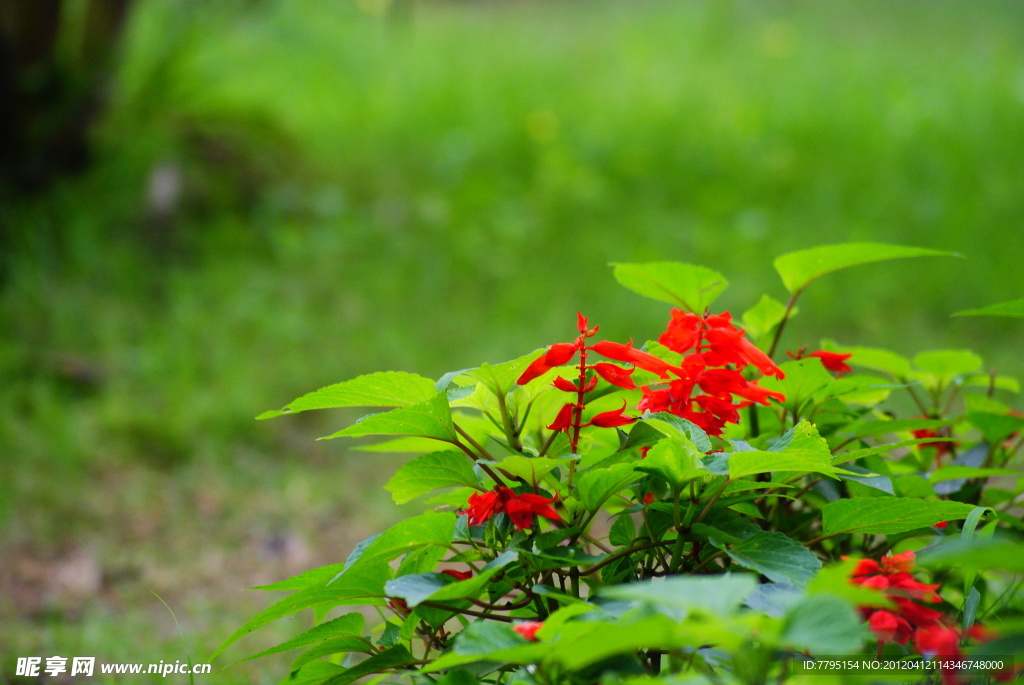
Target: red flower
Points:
(458, 575)
(941, 524)
(563, 421)
(556, 355)
(889, 627)
(519, 507)
(941, 446)
(616, 375)
(833, 361)
(610, 419)
(639, 358)
(529, 629)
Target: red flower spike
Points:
(616, 375)
(529, 629)
(833, 361)
(894, 563)
(458, 575)
(888, 627)
(556, 355)
(626, 353)
(564, 385)
(483, 506)
(520, 508)
(611, 419)
(563, 422)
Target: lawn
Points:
(357, 186)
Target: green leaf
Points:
(382, 389)
(489, 641)
(801, 450)
(361, 584)
(1010, 308)
(345, 633)
(822, 624)
(763, 317)
(533, 469)
(888, 515)
(799, 269)
(777, 557)
(670, 424)
(499, 378)
(600, 483)
(583, 643)
(874, 358)
(472, 587)
(870, 428)
(804, 378)
(674, 459)
(976, 554)
(954, 472)
(995, 427)
(415, 588)
(390, 659)
(429, 472)
(430, 419)
(690, 287)
(317, 576)
(945, 364)
(623, 531)
(715, 595)
(429, 528)
(315, 673)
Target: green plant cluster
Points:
(651, 551)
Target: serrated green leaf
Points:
(888, 515)
(668, 424)
(804, 378)
(382, 389)
(822, 624)
(870, 428)
(344, 632)
(715, 595)
(995, 427)
(429, 528)
(315, 576)
(801, 450)
(361, 584)
(430, 419)
(390, 659)
(954, 471)
(777, 557)
(429, 472)
(533, 469)
(598, 484)
(675, 460)
(873, 358)
(690, 287)
(763, 317)
(415, 588)
(976, 554)
(799, 269)
(945, 364)
(623, 531)
(498, 378)
(1009, 308)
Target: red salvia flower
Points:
(519, 507)
(610, 419)
(616, 375)
(833, 361)
(458, 575)
(528, 629)
(563, 421)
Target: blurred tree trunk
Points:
(55, 61)
(55, 57)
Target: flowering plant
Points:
(685, 508)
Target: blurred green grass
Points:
(424, 186)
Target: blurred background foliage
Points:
(211, 208)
